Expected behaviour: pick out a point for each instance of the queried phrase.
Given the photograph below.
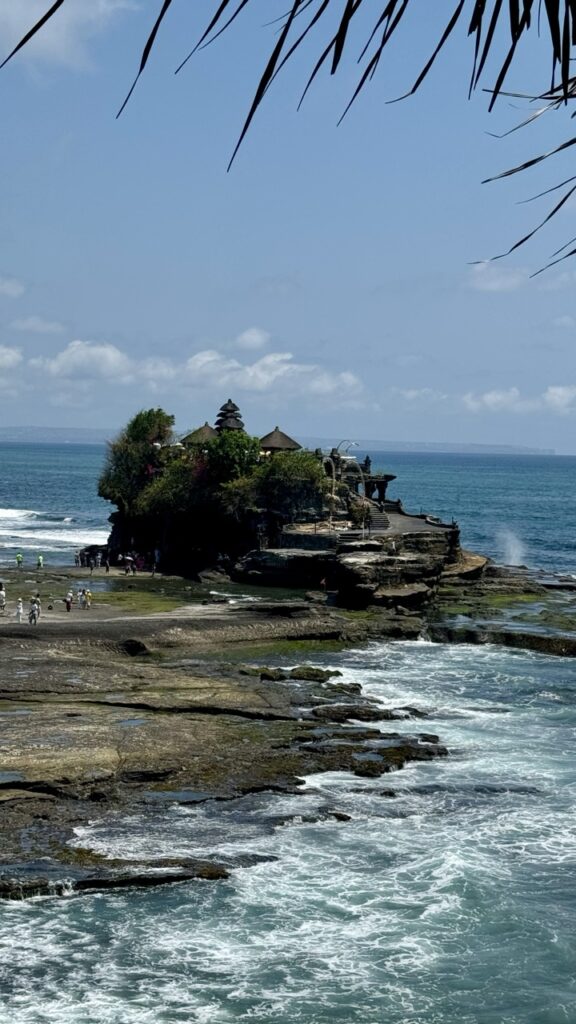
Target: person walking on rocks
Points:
(40, 562)
(68, 600)
(19, 609)
(2, 599)
(19, 560)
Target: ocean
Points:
(516, 509)
(49, 503)
(449, 897)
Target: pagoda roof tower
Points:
(229, 417)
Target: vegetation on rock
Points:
(133, 457)
(196, 503)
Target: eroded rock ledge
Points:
(91, 729)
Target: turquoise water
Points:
(450, 902)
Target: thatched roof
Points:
(278, 441)
(232, 422)
(229, 407)
(200, 435)
(229, 417)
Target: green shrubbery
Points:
(215, 494)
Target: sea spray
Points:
(513, 549)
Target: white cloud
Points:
(254, 337)
(81, 363)
(156, 370)
(491, 277)
(62, 40)
(493, 400)
(11, 287)
(10, 358)
(37, 325)
(210, 368)
(559, 399)
(564, 321)
(419, 394)
(557, 282)
(85, 359)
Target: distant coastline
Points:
(447, 447)
(100, 435)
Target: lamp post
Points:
(330, 462)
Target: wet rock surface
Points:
(102, 718)
(97, 722)
(510, 606)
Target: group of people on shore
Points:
(83, 598)
(20, 561)
(131, 562)
(34, 607)
(92, 560)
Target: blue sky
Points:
(325, 283)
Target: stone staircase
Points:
(378, 521)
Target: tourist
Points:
(88, 597)
(38, 602)
(77, 559)
(33, 613)
(107, 561)
(19, 560)
(40, 562)
(68, 600)
(2, 599)
(82, 599)
(19, 609)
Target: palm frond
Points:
(489, 22)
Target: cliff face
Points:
(391, 570)
(186, 544)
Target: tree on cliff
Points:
(286, 483)
(291, 482)
(195, 479)
(135, 457)
(491, 24)
(207, 499)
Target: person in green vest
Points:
(40, 562)
(19, 560)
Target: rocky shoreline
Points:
(106, 714)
